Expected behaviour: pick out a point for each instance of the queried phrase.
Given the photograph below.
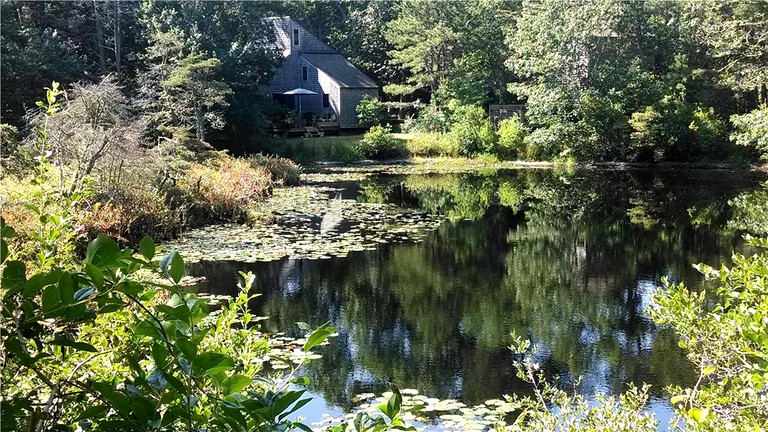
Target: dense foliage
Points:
(724, 330)
(656, 80)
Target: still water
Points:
(567, 259)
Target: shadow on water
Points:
(569, 260)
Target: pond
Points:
(566, 259)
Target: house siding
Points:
(307, 41)
(289, 77)
(331, 87)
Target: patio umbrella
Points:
(300, 92)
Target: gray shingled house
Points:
(309, 63)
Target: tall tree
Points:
(192, 91)
(735, 33)
(453, 43)
(235, 33)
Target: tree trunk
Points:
(99, 38)
(199, 130)
(118, 40)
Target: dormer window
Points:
(296, 37)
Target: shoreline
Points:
(479, 163)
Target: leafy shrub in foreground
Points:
(118, 342)
(724, 330)
(123, 352)
(378, 143)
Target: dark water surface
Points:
(569, 260)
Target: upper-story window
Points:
(296, 37)
(303, 73)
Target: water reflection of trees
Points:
(569, 260)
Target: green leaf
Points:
(177, 268)
(66, 289)
(14, 277)
(95, 274)
(102, 251)
(698, 414)
(51, 298)
(677, 399)
(394, 403)
(285, 401)
(212, 363)
(147, 248)
(235, 383)
(147, 328)
(173, 265)
(6, 231)
(3, 250)
(302, 426)
(318, 336)
(297, 406)
(93, 412)
(81, 346)
(300, 380)
(160, 355)
(186, 347)
(130, 287)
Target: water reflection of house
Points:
(309, 63)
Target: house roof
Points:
(340, 70)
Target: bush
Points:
(128, 213)
(751, 130)
(471, 128)
(432, 144)
(430, 120)
(227, 190)
(709, 130)
(118, 342)
(546, 143)
(378, 143)
(9, 139)
(284, 171)
(371, 111)
(512, 138)
(723, 328)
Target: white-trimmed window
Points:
(296, 40)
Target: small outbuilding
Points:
(310, 64)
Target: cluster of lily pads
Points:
(432, 413)
(360, 172)
(311, 222)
